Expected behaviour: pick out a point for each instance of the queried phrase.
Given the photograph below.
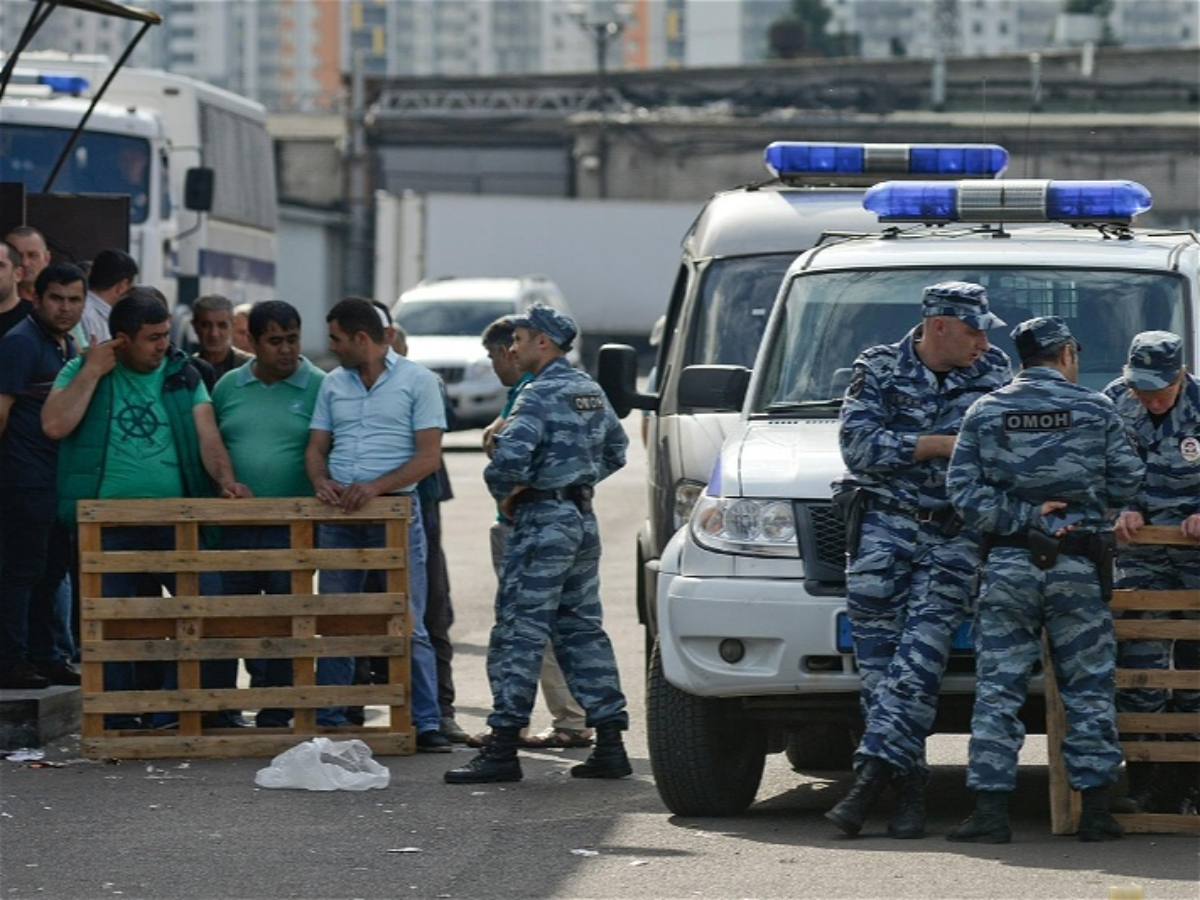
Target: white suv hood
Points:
(429, 349)
(790, 458)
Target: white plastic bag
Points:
(325, 765)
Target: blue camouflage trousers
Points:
(550, 589)
(908, 589)
(1016, 601)
(1158, 569)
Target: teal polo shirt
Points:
(265, 427)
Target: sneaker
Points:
(22, 676)
(58, 673)
(433, 741)
(453, 731)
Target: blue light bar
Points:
(1016, 200)
(795, 158)
(64, 84)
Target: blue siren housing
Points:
(1016, 200)
(797, 158)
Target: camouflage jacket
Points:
(561, 431)
(893, 399)
(1041, 438)
(1170, 448)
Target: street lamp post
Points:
(602, 32)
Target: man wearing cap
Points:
(909, 567)
(1037, 466)
(559, 440)
(1159, 401)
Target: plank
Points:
(258, 511)
(182, 561)
(1158, 678)
(212, 699)
(1158, 723)
(244, 605)
(1159, 823)
(1161, 751)
(1163, 534)
(231, 743)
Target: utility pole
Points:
(603, 31)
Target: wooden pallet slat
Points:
(1064, 803)
(192, 627)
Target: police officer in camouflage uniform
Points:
(1159, 400)
(1043, 445)
(560, 439)
(910, 567)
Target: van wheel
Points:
(821, 746)
(704, 762)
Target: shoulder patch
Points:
(1038, 420)
(587, 402)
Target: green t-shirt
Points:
(141, 460)
(265, 427)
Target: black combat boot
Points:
(988, 824)
(908, 821)
(497, 761)
(869, 783)
(1145, 788)
(1095, 821)
(608, 759)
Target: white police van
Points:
(753, 653)
(734, 259)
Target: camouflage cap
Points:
(963, 300)
(549, 321)
(1035, 336)
(1155, 360)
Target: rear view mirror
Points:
(198, 189)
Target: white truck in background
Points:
(614, 260)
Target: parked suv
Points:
(444, 320)
(734, 259)
(753, 652)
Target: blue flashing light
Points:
(1090, 201)
(795, 158)
(1016, 200)
(64, 84)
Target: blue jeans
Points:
(263, 672)
(35, 626)
(426, 714)
(130, 676)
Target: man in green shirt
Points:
(263, 408)
(135, 422)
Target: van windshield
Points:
(831, 317)
(467, 318)
(736, 297)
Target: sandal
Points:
(561, 738)
(482, 739)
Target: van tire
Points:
(822, 747)
(704, 763)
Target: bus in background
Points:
(196, 161)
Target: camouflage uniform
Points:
(1042, 438)
(908, 584)
(561, 432)
(1170, 447)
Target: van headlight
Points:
(747, 526)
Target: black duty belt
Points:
(1072, 544)
(941, 514)
(575, 493)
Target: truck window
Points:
(736, 296)
(830, 317)
(451, 317)
(99, 163)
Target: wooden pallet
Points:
(191, 627)
(1064, 803)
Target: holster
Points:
(850, 506)
(1102, 550)
(581, 495)
(1043, 548)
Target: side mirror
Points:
(616, 371)
(198, 189)
(721, 388)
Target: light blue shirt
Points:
(374, 431)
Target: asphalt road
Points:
(202, 829)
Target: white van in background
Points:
(444, 321)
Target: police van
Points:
(753, 651)
(734, 257)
